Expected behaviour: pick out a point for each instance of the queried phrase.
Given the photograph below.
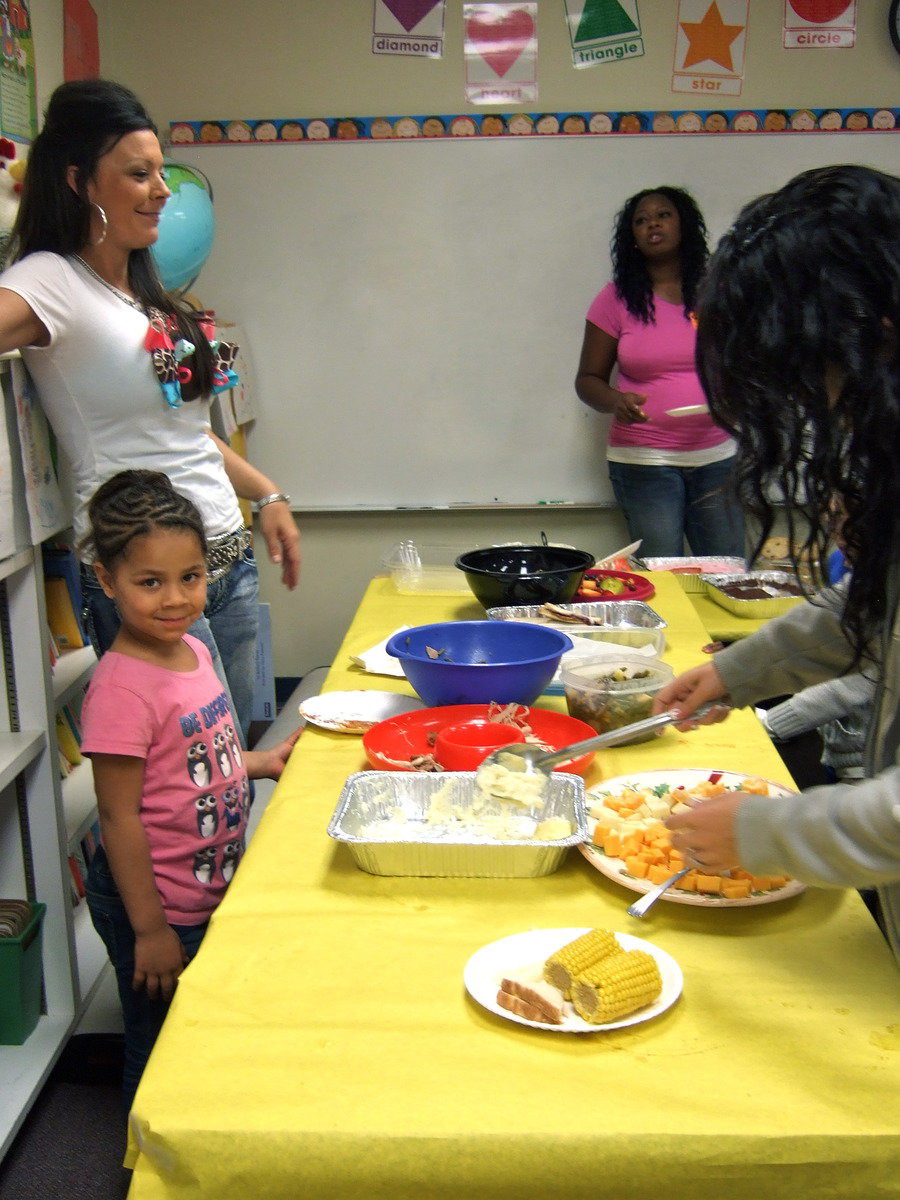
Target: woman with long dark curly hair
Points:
(670, 465)
(798, 353)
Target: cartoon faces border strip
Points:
(296, 131)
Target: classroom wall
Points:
(225, 58)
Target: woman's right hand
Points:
(159, 958)
(684, 695)
(630, 408)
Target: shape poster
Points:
(603, 31)
(501, 52)
(710, 47)
(414, 28)
(819, 24)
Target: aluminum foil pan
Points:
(689, 571)
(629, 623)
(406, 823)
(757, 609)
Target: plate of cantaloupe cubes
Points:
(630, 843)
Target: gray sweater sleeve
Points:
(842, 835)
(812, 707)
(788, 653)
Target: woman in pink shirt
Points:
(670, 465)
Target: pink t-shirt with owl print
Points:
(196, 792)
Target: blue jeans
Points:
(666, 505)
(228, 627)
(143, 1016)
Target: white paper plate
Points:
(687, 410)
(527, 952)
(614, 868)
(355, 712)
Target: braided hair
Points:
(84, 120)
(133, 504)
(630, 273)
(798, 355)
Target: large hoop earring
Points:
(105, 223)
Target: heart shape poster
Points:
(499, 33)
(501, 52)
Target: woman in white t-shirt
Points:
(123, 370)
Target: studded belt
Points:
(223, 552)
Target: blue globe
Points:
(186, 227)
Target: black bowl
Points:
(505, 575)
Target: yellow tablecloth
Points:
(322, 1043)
(719, 623)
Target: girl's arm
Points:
(19, 326)
(598, 357)
(268, 764)
(275, 520)
(159, 957)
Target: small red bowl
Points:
(463, 747)
(602, 584)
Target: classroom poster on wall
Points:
(414, 28)
(18, 94)
(603, 31)
(46, 509)
(710, 46)
(501, 53)
(819, 24)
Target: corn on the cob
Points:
(616, 986)
(572, 959)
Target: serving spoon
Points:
(531, 763)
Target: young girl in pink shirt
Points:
(170, 773)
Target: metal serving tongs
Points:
(529, 760)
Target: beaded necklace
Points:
(166, 354)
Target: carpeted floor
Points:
(73, 1140)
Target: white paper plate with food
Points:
(523, 955)
(355, 712)
(630, 845)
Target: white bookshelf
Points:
(41, 815)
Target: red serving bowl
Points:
(465, 746)
(602, 584)
(391, 744)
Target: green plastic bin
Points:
(20, 980)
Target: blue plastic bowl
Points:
(479, 661)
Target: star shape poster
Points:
(710, 47)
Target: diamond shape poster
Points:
(414, 28)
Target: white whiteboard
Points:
(414, 309)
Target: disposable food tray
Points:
(382, 816)
(631, 623)
(690, 570)
(755, 609)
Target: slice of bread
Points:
(533, 1000)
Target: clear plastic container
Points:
(417, 569)
(607, 693)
